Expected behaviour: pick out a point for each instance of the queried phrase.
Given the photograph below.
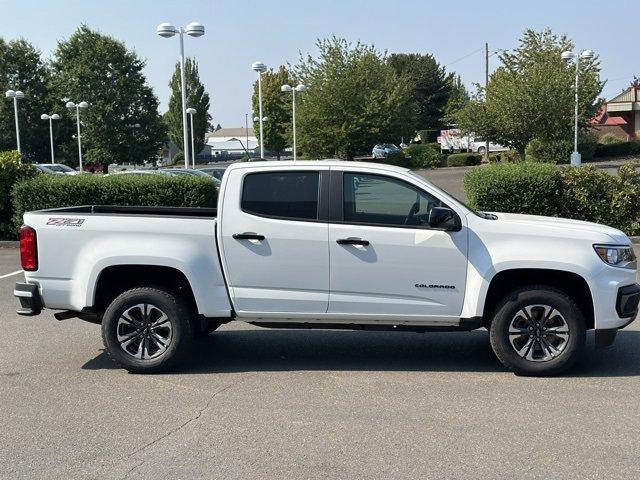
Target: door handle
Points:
(352, 241)
(248, 236)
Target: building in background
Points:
(620, 116)
(231, 142)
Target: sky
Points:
(239, 32)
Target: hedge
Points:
(559, 151)
(423, 156)
(463, 159)
(53, 191)
(396, 158)
(618, 148)
(584, 193)
(11, 171)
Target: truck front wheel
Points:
(538, 331)
(146, 330)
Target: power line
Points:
(466, 56)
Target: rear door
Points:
(274, 242)
(386, 263)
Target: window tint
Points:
(380, 200)
(281, 194)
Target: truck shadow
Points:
(230, 351)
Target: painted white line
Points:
(11, 274)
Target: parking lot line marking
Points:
(11, 274)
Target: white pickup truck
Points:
(329, 244)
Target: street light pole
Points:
(260, 68)
(191, 111)
(568, 56)
(293, 90)
(51, 117)
(77, 106)
(16, 95)
(194, 29)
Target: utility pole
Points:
(486, 87)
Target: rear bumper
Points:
(30, 299)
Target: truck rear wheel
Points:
(146, 330)
(537, 331)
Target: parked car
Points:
(136, 172)
(329, 244)
(382, 150)
(55, 168)
(216, 172)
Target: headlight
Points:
(617, 256)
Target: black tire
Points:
(511, 313)
(177, 328)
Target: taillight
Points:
(28, 249)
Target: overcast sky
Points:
(239, 32)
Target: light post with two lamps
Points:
(51, 117)
(293, 90)
(77, 106)
(192, 112)
(15, 95)
(569, 57)
(194, 29)
(260, 68)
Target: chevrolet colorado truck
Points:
(329, 244)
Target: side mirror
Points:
(444, 218)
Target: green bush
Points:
(559, 151)
(609, 138)
(463, 159)
(11, 171)
(515, 187)
(53, 191)
(178, 159)
(396, 158)
(507, 156)
(618, 149)
(423, 156)
(584, 193)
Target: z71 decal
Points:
(66, 222)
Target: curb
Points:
(9, 244)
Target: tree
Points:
(98, 69)
(430, 87)
(458, 99)
(196, 97)
(354, 99)
(22, 69)
(531, 95)
(276, 106)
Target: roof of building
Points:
(229, 132)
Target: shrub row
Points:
(53, 191)
(614, 149)
(424, 155)
(463, 159)
(584, 193)
(11, 171)
(559, 151)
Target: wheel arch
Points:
(116, 279)
(570, 283)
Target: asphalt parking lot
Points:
(264, 404)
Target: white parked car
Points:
(329, 244)
(55, 169)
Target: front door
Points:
(385, 261)
(274, 246)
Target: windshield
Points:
(58, 167)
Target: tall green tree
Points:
(354, 99)
(276, 106)
(99, 69)
(196, 97)
(430, 87)
(531, 94)
(21, 68)
(458, 99)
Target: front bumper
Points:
(30, 299)
(627, 301)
